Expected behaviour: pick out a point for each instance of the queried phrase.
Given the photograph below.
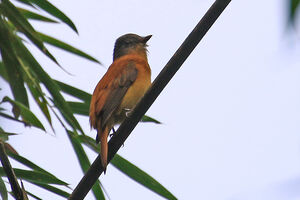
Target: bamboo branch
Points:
(15, 187)
(157, 86)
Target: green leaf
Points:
(27, 163)
(59, 44)
(26, 2)
(22, 24)
(75, 92)
(10, 66)
(36, 91)
(84, 162)
(79, 108)
(3, 73)
(32, 15)
(141, 177)
(33, 166)
(34, 176)
(293, 8)
(49, 83)
(3, 190)
(24, 193)
(89, 142)
(4, 135)
(27, 115)
(41, 101)
(146, 118)
(81, 155)
(131, 170)
(53, 189)
(52, 10)
(34, 196)
(11, 118)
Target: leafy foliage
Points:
(293, 9)
(25, 76)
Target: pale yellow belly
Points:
(132, 96)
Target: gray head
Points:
(128, 43)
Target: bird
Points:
(119, 90)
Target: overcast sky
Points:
(230, 115)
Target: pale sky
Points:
(230, 115)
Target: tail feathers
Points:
(104, 147)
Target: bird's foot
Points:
(114, 132)
(127, 112)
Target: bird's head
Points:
(130, 43)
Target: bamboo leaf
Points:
(33, 166)
(141, 177)
(4, 135)
(49, 83)
(41, 101)
(62, 45)
(146, 118)
(32, 15)
(75, 92)
(3, 73)
(84, 162)
(12, 118)
(36, 91)
(3, 190)
(27, 115)
(26, 2)
(81, 155)
(53, 189)
(34, 176)
(293, 8)
(52, 10)
(10, 66)
(25, 197)
(34, 196)
(89, 142)
(27, 162)
(79, 108)
(22, 24)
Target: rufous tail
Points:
(104, 147)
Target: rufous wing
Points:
(109, 93)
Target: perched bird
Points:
(122, 86)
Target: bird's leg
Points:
(128, 111)
(114, 132)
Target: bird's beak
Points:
(145, 39)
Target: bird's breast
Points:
(137, 90)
